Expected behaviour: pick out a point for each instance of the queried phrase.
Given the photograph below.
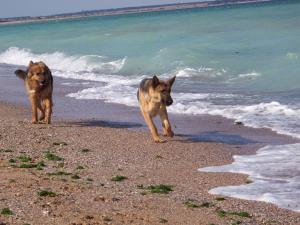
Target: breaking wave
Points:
(62, 62)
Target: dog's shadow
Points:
(216, 137)
(105, 123)
(211, 136)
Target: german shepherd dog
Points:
(39, 85)
(154, 96)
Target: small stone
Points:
(99, 198)
(45, 212)
(88, 217)
(239, 123)
(115, 199)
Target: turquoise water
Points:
(241, 62)
(261, 39)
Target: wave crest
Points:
(63, 62)
(202, 72)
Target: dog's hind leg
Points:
(152, 127)
(167, 130)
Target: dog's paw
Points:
(158, 140)
(42, 118)
(47, 121)
(169, 134)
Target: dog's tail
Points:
(21, 74)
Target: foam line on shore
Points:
(274, 171)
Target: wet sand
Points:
(120, 146)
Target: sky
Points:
(15, 8)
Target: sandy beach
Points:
(77, 159)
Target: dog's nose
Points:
(169, 102)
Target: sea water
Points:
(241, 62)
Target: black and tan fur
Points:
(39, 85)
(154, 96)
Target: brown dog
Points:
(154, 96)
(39, 85)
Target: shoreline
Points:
(123, 147)
(192, 126)
(127, 11)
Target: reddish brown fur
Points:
(39, 85)
(154, 97)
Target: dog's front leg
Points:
(165, 122)
(42, 110)
(48, 109)
(34, 103)
(152, 127)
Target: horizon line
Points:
(127, 10)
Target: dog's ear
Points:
(172, 80)
(31, 63)
(155, 81)
(21, 74)
(42, 64)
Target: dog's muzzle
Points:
(43, 82)
(169, 102)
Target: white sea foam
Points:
(62, 62)
(76, 83)
(249, 75)
(106, 78)
(292, 55)
(202, 72)
(245, 76)
(275, 173)
(108, 93)
(281, 118)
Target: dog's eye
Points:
(166, 91)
